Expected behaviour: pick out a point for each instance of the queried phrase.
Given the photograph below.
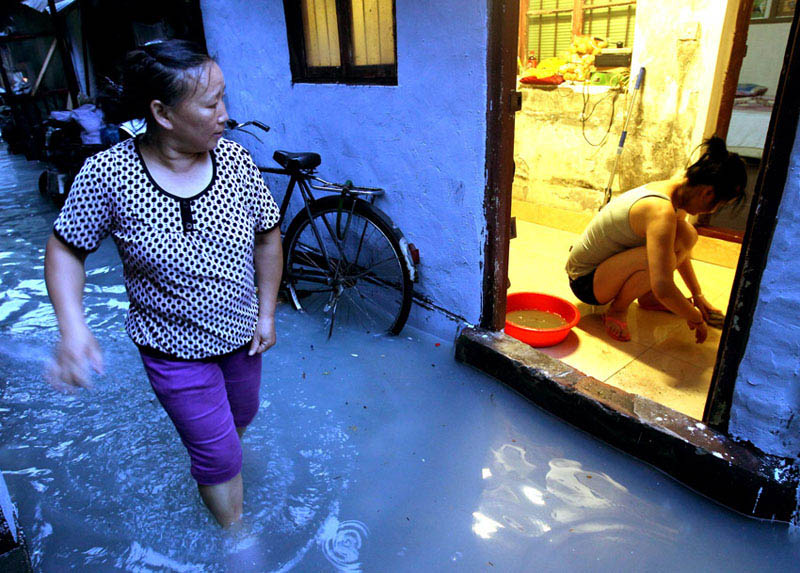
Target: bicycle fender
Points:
(412, 268)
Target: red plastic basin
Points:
(541, 337)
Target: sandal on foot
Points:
(623, 335)
(716, 319)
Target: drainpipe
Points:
(14, 554)
(66, 58)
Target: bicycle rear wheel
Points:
(345, 263)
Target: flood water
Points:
(368, 453)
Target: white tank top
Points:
(608, 233)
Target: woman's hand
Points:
(264, 337)
(77, 354)
(705, 308)
(698, 324)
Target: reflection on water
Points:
(559, 500)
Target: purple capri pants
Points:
(207, 400)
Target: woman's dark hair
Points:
(723, 170)
(159, 70)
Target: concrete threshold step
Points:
(733, 474)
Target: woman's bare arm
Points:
(662, 262)
(268, 260)
(65, 276)
(686, 271)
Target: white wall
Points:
(678, 43)
(766, 45)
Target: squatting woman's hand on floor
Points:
(700, 330)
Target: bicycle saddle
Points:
(291, 160)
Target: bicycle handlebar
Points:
(233, 124)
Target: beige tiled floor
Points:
(661, 362)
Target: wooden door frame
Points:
(734, 67)
(501, 78)
(522, 37)
(501, 61)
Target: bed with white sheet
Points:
(747, 132)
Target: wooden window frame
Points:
(772, 17)
(347, 72)
(578, 10)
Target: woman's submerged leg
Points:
(242, 375)
(194, 396)
(224, 500)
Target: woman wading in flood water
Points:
(196, 229)
(633, 246)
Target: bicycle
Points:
(343, 257)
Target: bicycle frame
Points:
(300, 179)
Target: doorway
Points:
(748, 98)
(563, 150)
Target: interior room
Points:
(577, 68)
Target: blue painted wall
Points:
(766, 404)
(423, 140)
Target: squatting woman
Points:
(632, 247)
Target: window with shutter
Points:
(342, 41)
(613, 23)
(550, 24)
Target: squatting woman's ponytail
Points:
(723, 170)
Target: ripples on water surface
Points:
(368, 454)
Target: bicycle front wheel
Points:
(344, 263)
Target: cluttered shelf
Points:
(589, 64)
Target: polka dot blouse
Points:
(188, 263)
